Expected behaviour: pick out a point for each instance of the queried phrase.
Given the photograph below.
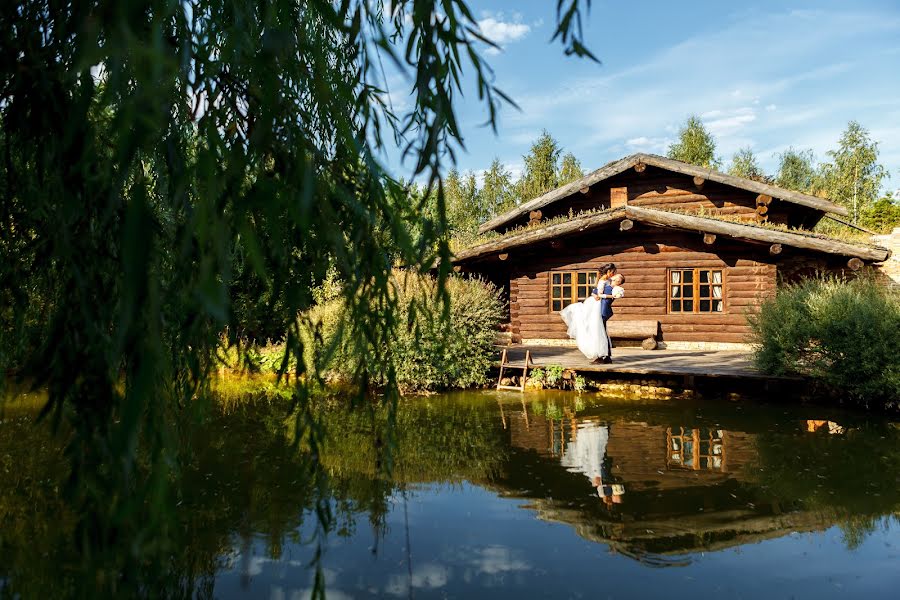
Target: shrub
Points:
(842, 335)
(580, 384)
(427, 351)
(553, 375)
(536, 378)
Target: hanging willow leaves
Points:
(177, 178)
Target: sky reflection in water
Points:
(510, 495)
(601, 498)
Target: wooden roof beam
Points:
(759, 234)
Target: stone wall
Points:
(891, 267)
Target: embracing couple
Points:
(586, 321)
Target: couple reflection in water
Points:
(585, 453)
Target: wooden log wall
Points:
(638, 453)
(658, 188)
(644, 255)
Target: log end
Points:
(855, 264)
(626, 224)
(649, 344)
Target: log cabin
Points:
(700, 250)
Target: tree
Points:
(541, 167)
(853, 176)
(744, 164)
(569, 170)
(154, 153)
(882, 216)
(497, 191)
(695, 145)
(464, 212)
(796, 170)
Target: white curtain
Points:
(676, 279)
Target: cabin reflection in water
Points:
(664, 489)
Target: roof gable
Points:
(669, 164)
(663, 218)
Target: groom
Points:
(604, 294)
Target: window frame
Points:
(699, 461)
(695, 289)
(566, 300)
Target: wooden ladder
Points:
(504, 363)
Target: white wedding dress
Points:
(586, 327)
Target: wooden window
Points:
(567, 287)
(695, 449)
(696, 291)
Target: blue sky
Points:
(767, 75)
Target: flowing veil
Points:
(586, 327)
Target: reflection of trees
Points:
(851, 477)
(242, 480)
(35, 524)
(448, 438)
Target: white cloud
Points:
(728, 122)
(770, 107)
(657, 145)
(498, 559)
(428, 576)
(502, 32)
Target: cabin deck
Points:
(636, 361)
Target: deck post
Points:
(525, 368)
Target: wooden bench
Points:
(646, 331)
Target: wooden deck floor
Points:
(636, 361)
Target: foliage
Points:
(744, 164)
(853, 176)
(497, 193)
(842, 335)
(432, 354)
(695, 145)
(179, 173)
(882, 216)
(541, 168)
(796, 170)
(537, 377)
(570, 169)
(580, 384)
(553, 375)
(464, 209)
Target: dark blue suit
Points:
(606, 311)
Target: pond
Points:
(502, 495)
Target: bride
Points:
(584, 323)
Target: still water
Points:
(506, 495)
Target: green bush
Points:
(882, 216)
(553, 375)
(536, 377)
(427, 351)
(844, 336)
